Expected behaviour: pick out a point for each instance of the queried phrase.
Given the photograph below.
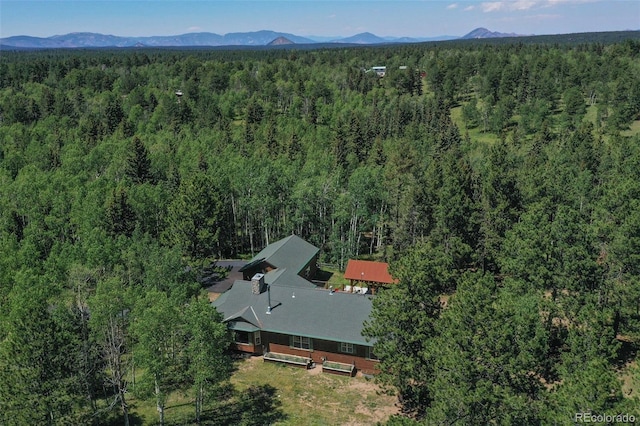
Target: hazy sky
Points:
(322, 18)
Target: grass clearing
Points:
(591, 114)
(337, 280)
(179, 406)
(633, 130)
(310, 397)
(630, 388)
(331, 276)
(307, 397)
(476, 134)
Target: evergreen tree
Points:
(489, 355)
(403, 322)
(40, 382)
(121, 219)
(196, 217)
(113, 113)
(139, 164)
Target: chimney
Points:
(268, 300)
(257, 284)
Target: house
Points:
(370, 275)
(279, 313)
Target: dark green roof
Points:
(291, 252)
(312, 313)
(289, 256)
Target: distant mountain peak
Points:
(485, 33)
(362, 38)
(280, 41)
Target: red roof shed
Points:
(370, 272)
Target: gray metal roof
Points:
(289, 256)
(312, 313)
(288, 278)
(291, 252)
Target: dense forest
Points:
(500, 180)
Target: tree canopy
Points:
(499, 178)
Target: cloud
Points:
(453, 6)
(509, 6)
(524, 4)
(556, 2)
(469, 8)
(519, 5)
(545, 17)
(493, 6)
(194, 28)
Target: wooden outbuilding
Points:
(365, 274)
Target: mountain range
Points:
(256, 38)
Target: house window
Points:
(257, 338)
(241, 337)
(301, 342)
(370, 354)
(346, 348)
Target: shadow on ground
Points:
(322, 275)
(321, 278)
(256, 405)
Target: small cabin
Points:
(380, 71)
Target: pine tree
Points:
(489, 355)
(139, 164)
(40, 381)
(403, 322)
(197, 216)
(121, 219)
